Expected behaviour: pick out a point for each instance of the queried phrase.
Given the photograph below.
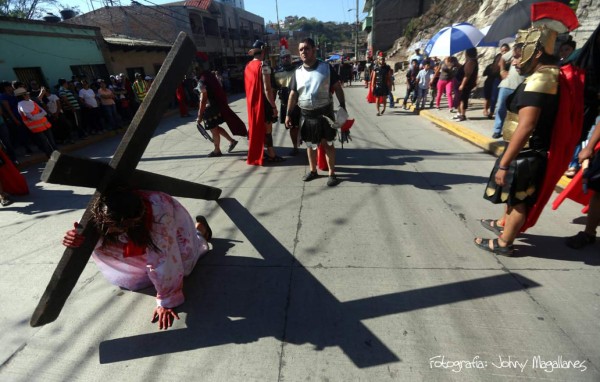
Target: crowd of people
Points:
(71, 110)
(521, 93)
(148, 238)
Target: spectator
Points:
(34, 87)
(566, 49)
(61, 127)
(392, 89)
(34, 117)
(5, 137)
(411, 83)
(18, 131)
(121, 100)
(417, 56)
(511, 79)
(140, 88)
(71, 107)
(468, 82)
(90, 111)
(107, 100)
(435, 66)
(446, 82)
(492, 79)
(588, 58)
(423, 83)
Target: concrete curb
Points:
(489, 145)
(41, 158)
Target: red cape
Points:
(235, 124)
(255, 98)
(370, 96)
(565, 136)
(574, 190)
(13, 182)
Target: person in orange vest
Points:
(140, 88)
(34, 117)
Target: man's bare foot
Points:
(203, 228)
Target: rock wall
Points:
(588, 13)
(480, 13)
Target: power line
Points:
(161, 12)
(170, 9)
(145, 27)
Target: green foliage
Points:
(326, 31)
(573, 4)
(31, 9)
(411, 29)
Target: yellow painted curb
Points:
(488, 144)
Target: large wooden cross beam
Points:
(121, 170)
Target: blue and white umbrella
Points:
(454, 39)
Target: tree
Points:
(31, 9)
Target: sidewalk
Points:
(26, 160)
(477, 129)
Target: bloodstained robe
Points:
(179, 246)
(255, 99)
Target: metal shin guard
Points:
(268, 140)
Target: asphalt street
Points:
(376, 279)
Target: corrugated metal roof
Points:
(129, 41)
(202, 4)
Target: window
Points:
(90, 72)
(132, 71)
(26, 75)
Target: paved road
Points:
(376, 279)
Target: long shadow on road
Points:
(278, 297)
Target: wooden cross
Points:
(68, 170)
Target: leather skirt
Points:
(523, 179)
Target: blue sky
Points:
(323, 10)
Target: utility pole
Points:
(278, 27)
(356, 35)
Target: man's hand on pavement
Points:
(164, 316)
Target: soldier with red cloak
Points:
(262, 109)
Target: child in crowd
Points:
(423, 82)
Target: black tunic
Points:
(526, 172)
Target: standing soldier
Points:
(262, 110)
(283, 76)
(382, 82)
(311, 88)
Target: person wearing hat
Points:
(542, 126)
(262, 109)
(34, 117)
(417, 56)
(140, 88)
(61, 127)
(283, 76)
(148, 80)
